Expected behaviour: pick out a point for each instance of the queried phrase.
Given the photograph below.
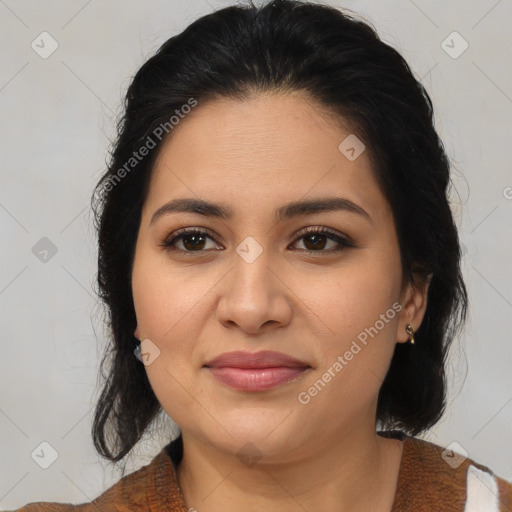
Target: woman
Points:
(275, 234)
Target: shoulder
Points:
(433, 477)
(133, 492)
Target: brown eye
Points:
(192, 240)
(316, 239)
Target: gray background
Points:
(58, 116)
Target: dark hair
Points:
(286, 46)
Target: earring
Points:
(410, 332)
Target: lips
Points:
(258, 371)
(262, 359)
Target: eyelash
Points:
(343, 241)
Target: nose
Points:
(254, 296)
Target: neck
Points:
(359, 471)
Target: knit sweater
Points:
(430, 479)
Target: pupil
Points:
(317, 244)
(195, 244)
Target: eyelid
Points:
(323, 231)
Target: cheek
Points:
(360, 308)
(167, 306)
(171, 306)
(165, 298)
(354, 360)
(355, 298)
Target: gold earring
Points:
(410, 332)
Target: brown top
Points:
(430, 479)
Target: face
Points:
(322, 286)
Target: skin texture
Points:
(254, 156)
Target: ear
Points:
(414, 306)
(136, 333)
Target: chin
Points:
(252, 443)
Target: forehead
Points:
(258, 152)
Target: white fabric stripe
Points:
(482, 491)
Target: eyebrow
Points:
(288, 211)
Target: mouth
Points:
(258, 371)
(256, 379)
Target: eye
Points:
(194, 240)
(316, 239)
